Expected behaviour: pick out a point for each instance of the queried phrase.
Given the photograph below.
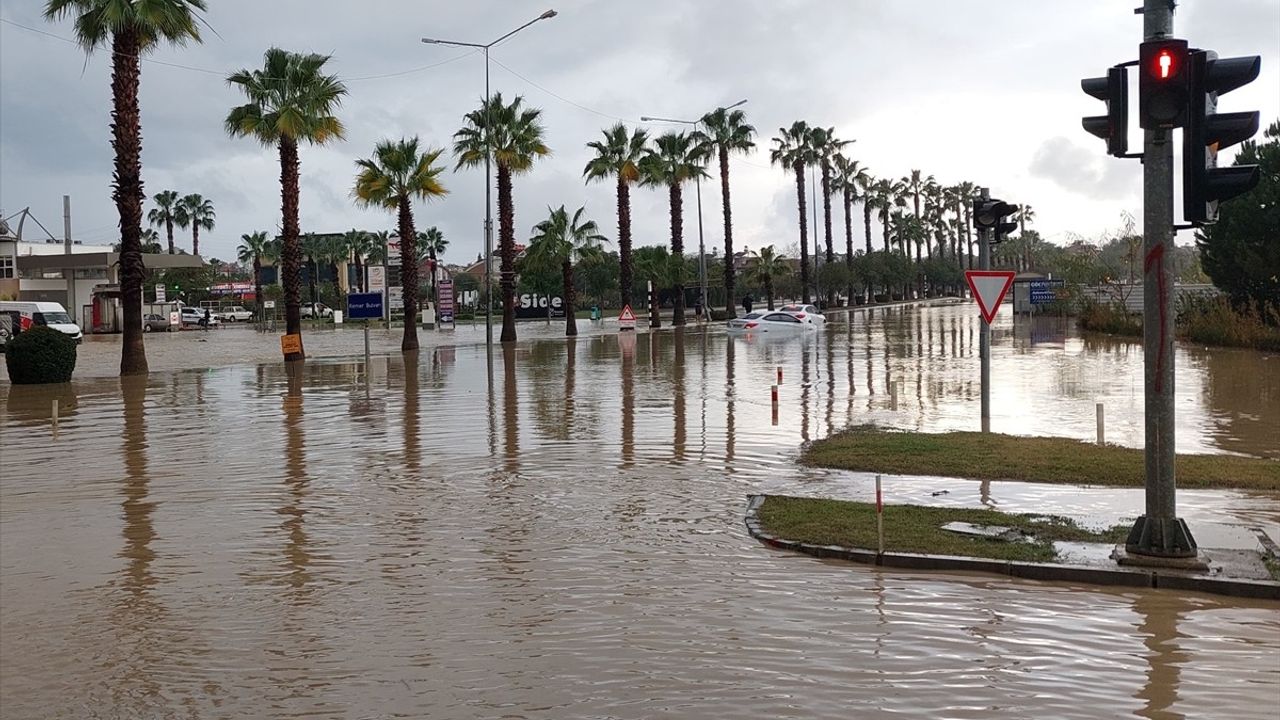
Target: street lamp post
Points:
(488, 171)
(702, 246)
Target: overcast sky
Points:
(986, 91)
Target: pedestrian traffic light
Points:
(1114, 126)
(1204, 184)
(991, 214)
(1162, 84)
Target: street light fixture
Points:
(702, 248)
(488, 172)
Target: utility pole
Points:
(1159, 532)
(69, 273)
(984, 332)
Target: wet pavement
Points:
(559, 534)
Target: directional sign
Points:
(627, 320)
(989, 288)
(444, 293)
(160, 293)
(1044, 292)
(364, 306)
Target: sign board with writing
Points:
(377, 280)
(269, 305)
(364, 306)
(175, 318)
(395, 300)
(531, 306)
(290, 344)
(444, 291)
(1044, 292)
(161, 291)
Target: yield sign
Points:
(989, 288)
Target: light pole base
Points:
(1160, 538)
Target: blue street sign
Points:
(364, 306)
(1044, 292)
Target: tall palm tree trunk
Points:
(804, 233)
(866, 223)
(257, 283)
(729, 303)
(625, 264)
(570, 299)
(768, 290)
(826, 221)
(291, 246)
(848, 241)
(359, 272)
(507, 243)
(195, 238)
(126, 139)
(408, 274)
(677, 251)
(168, 228)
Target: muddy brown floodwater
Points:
(559, 534)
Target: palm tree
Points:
(793, 149)
(253, 248)
(131, 29)
(378, 252)
(290, 100)
(887, 196)
(151, 242)
(165, 213)
(866, 191)
(561, 240)
(194, 212)
(769, 266)
(847, 180)
(674, 158)
(726, 132)
(966, 191)
(358, 246)
(653, 264)
(618, 156)
(396, 174)
(312, 249)
(431, 245)
(512, 137)
(824, 146)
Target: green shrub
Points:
(39, 356)
(1216, 321)
(1114, 319)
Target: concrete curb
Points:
(1124, 577)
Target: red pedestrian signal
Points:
(1162, 84)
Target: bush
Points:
(1216, 321)
(39, 356)
(1114, 319)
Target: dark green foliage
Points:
(40, 356)
(1241, 253)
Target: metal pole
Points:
(1158, 533)
(813, 200)
(984, 333)
(488, 211)
(702, 249)
(366, 351)
(69, 273)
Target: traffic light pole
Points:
(1159, 533)
(984, 332)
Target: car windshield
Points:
(55, 318)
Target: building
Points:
(8, 263)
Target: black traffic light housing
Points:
(1163, 90)
(1114, 126)
(991, 214)
(1204, 184)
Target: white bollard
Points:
(879, 518)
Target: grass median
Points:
(990, 456)
(918, 529)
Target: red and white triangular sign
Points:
(989, 288)
(627, 320)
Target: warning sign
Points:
(290, 344)
(627, 320)
(989, 288)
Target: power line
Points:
(554, 95)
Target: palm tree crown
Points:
(152, 22)
(290, 98)
(561, 241)
(165, 213)
(197, 213)
(512, 132)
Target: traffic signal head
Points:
(990, 215)
(1162, 84)
(1114, 126)
(1204, 184)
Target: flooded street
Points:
(556, 531)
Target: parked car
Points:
(235, 313)
(768, 321)
(808, 313)
(155, 323)
(10, 325)
(50, 314)
(193, 316)
(316, 310)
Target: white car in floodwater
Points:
(807, 313)
(763, 322)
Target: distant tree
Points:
(165, 213)
(769, 267)
(674, 159)
(723, 132)
(253, 248)
(618, 157)
(197, 213)
(559, 241)
(793, 149)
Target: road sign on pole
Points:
(160, 293)
(444, 293)
(364, 306)
(989, 288)
(627, 320)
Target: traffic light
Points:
(1114, 126)
(991, 214)
(1162, 84)
(1204, 184)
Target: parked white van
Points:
(50, 314)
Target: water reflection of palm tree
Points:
(804, 393)
(412, 416)
(730, 397)
(627, 348)
(570, 380)
(510, 410)
(677, 389)
(138, 528)
(296, 554)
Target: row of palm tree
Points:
(188, 211)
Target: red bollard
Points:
(774, 394)
(779, 374)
